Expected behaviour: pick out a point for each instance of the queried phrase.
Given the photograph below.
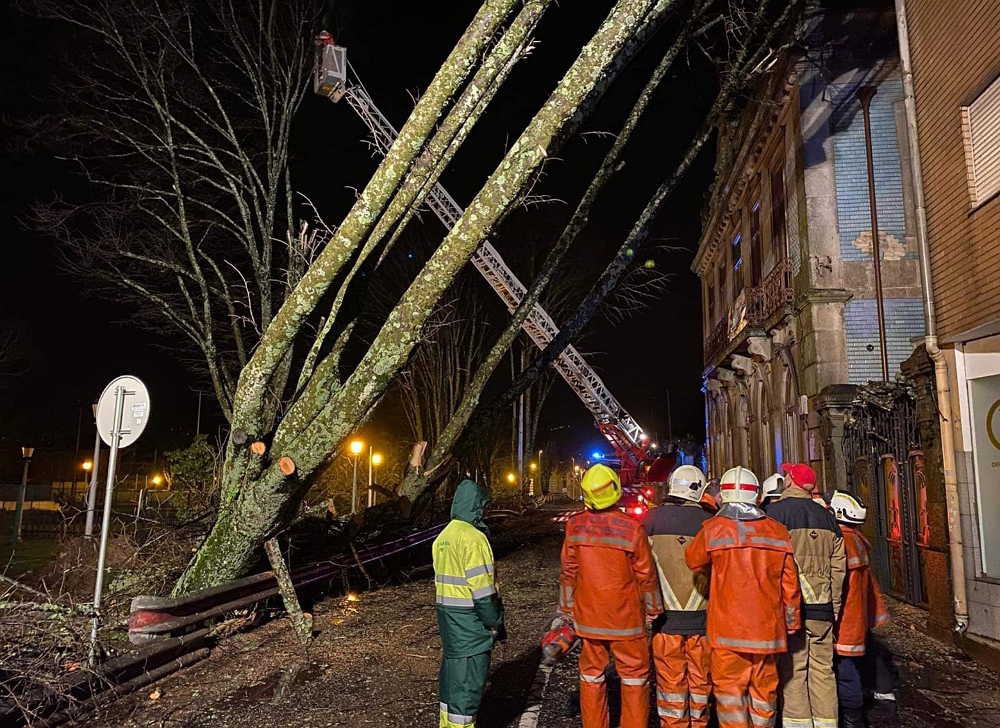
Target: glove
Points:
(655, 624)
(499, 633)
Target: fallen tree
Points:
(260, 492)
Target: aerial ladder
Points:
(336, 79)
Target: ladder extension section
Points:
(579, 375)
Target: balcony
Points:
(772, 296)
(756, 310)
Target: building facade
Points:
(785, 259)
(954, 52)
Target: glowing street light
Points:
(374, 460)
(157, 479)
(511, 478)
(532, 467)
(87, 465)
(356, 447)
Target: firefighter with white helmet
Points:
(863, 609)
(680, 651)
(770, 489)
(750, 612)
(608, 586)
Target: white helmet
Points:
(739, 485)
(847, 508)
(687, 482)
(772, 487)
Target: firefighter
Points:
(754, 602)
(680, 652)
(469, 610)
(608, 586)
(863, 609)
(808, 683)
(770, 489)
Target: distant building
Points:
(955, 57)
(785, 258)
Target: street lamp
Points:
(356, 447)
(511, 478)
(374, 460)
(532, 466)
(15, 531)
(87, 465)
(157, 479)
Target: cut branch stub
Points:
(259, 447)
(286, 465)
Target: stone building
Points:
(953, 51)
(785, 258)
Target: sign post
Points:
(122, 413)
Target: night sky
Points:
(79, 342)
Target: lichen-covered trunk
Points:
(318, 421)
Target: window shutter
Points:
(981, 122)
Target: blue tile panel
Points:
(904, 321)
(850, 167)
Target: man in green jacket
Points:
(469, 610)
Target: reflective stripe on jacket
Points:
(864, 607)
(608, 580)
(819, 551)
(685, 593)
(754, 584)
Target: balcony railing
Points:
(756, 309)
(771, 296)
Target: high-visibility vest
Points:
(468, 603)
(864, 607)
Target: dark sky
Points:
(79, 342)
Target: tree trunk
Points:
(259, 497)
(301, 622)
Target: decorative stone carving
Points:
(760, 348)
(727, 376)
(742, 364)
(713, 385)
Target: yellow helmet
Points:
(601, 487)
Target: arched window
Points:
(761, 440)
(791, 431)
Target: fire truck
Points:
(335, 78)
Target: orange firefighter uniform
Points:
(754, 604)
(680, 649)
(864, 608)
(608, 585)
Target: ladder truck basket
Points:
(330, 69)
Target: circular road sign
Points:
(134, 415)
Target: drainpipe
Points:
(941, 375)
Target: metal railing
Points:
(772, 295)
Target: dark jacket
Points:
(670, 528)
(819, 551)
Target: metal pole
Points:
(865, 94)
(15, 531)
(354, 488)
(197, 427)
(102, 552)
(370, 451)
(88, 528)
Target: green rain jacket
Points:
(469, 609)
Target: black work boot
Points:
(883, 713)
(852, 718)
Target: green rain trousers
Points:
(462, 681)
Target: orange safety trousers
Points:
(682, 679)
(632, 663)
(746, 688)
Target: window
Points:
(723, 286)
(981, 132)
(736, 256)
(756, 256)
(778, 230)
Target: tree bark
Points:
(258, 501)
(301, 622)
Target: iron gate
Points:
(886, 469)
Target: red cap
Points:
(801, 474)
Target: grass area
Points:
(26, 556)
